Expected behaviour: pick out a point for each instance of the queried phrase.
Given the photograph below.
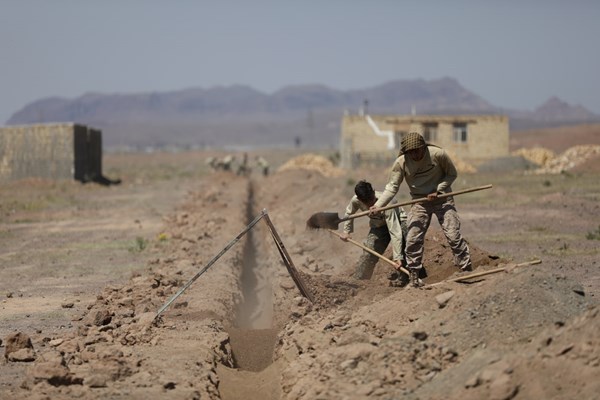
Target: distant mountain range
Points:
(239, 116)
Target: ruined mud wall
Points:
(50, 151)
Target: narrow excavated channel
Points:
(252, 336)
(256, 311)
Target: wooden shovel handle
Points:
(365, 248)
(415, 201)
(483, 273)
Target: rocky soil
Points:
(86, 268)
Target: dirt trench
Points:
(252, 333)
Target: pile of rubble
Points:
(537, 155)
(312, 162)
(571, 158)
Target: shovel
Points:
(331, 220)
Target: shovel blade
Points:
(323, 220)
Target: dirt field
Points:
(85, 268)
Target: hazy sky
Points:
(513, 53)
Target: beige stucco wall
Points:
(359, 140)
(487, 137)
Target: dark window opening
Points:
(430, 131)
(459, 131)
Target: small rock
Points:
(54, 374)
(102, 317)
(444, 298)
(52, 356)
(105, 328)
(287, 284)
(126, 302)
(67, 305)
(146, 319)
(95, 381)
(56, 342)
(15, 342)
(181, 304)
(349, 364)
(502, 388)
(169, 385)
(473, 381)
(22, 355)
(127, 313)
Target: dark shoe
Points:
(393, 275)
(401, 280)
(415, 281)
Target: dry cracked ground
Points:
(85, 268)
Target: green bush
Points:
(139, 245)
(593, 235)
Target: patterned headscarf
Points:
(412, 141)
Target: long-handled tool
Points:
(331, 220)
(210, 263)
(483, 273)
(365, 248)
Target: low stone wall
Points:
(50, 151)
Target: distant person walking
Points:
(429, 172)
(213, 163)
(263, 164)
(244, 168)
(386, 227)
(227, 162)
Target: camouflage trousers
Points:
(378, 240)
(419, 219)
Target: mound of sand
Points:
(568, 160)
(312, 162)
(537, 155)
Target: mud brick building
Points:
(50, 151)
(375, 140)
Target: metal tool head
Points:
(323, 220)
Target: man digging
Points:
(384, 227)
(429, 172)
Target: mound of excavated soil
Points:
(365, 339)
(312, 162)
(570, 159)
(537, 155)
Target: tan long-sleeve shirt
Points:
(435, 172)
(394, 219)
(355, 205)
